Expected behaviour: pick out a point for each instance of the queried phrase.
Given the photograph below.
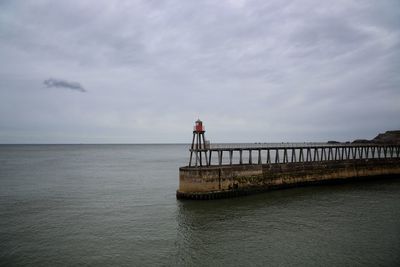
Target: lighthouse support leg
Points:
(191, 151)
(204, 147)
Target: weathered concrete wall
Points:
(262, 177)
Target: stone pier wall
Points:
(224, 181)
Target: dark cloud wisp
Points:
(64, 84)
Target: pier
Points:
(224, 170)
(285, 153)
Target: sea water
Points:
(115, 205)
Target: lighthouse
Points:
(199, 145)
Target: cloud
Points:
(278, 70)
(64, 84)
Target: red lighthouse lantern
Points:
(199, 145)
(199, 126)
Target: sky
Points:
(106, 71)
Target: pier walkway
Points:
(274, 153)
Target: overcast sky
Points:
(144, 71)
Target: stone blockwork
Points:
(224, 181)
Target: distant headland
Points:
(389, 137)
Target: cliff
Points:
(390, 137)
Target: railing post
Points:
(294, 155)
(259, 157)
(308, 158)
(301, 156)
(250, 159)
(285, 156)
(316, 154)
(360, 152)
(277, 156)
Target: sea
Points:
(115, 205)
